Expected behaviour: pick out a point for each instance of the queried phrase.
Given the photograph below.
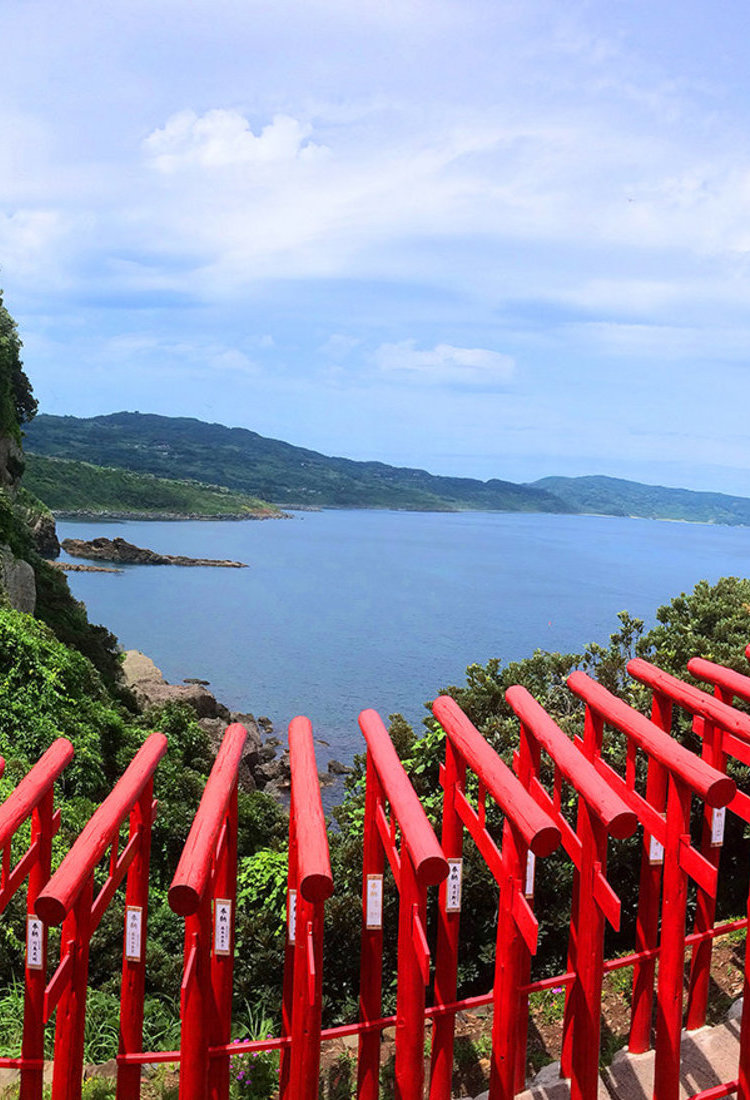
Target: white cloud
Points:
(446, 364)
(220, 138)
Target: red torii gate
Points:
(725, 732)
(417, 863)
(33, 798)
(204, 891)
(527, 828)
(68, 899)
(601, 814)
(674, 776)
(310, 884)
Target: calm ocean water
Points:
(343, 610)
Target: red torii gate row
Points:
(396, 828)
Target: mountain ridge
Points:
(598, 494)
(186, 448)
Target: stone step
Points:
(548, 1085)
(709, 1056)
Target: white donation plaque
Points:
(34, 944)
(133, 933)
(453, 886)
(292, 917)
(528, 889)
(655, 851)
(374, 902)
(718, 820)
(222, 926)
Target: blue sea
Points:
(342, 610)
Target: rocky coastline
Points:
(127, 553)
(262, 768)
(79, 567)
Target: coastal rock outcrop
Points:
(44, 534)
(260, 769)
(150, 689)
(18, 581)
(119, 550)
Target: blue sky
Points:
(490, 239)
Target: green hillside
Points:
(69, 486)
(177, 447)
(613, 496)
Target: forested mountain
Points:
(178, 447)
(241, 460)
(611, 496)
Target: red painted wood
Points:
(315, 879)
(61, 892)
(618, 820)
(196, 1008)
(533, 824)
(420, 840)
(446, 955)
(193, 871)
(33, 787)
(587, 990)
(371, 951)
(134, 971)
(509, 948)
(71, 1009)
(649, 897)
(734, 683)
(410, 994)
(600, 813)
(285, 1061)
(714, 788)
(672, 955)
(222, 965)
(705, 913)
(33, 797)
(743, 1091)
(32, 1049)
(691, 698)
(314, 884)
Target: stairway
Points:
(708, 1057)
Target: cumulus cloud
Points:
(220, 138)
(446, 363)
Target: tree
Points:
(18, 402)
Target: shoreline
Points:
(168, 517)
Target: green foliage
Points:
(48, 690)
(713, 621)
(17, 402)
(68, 486)
(262, 881)
(67, 617)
